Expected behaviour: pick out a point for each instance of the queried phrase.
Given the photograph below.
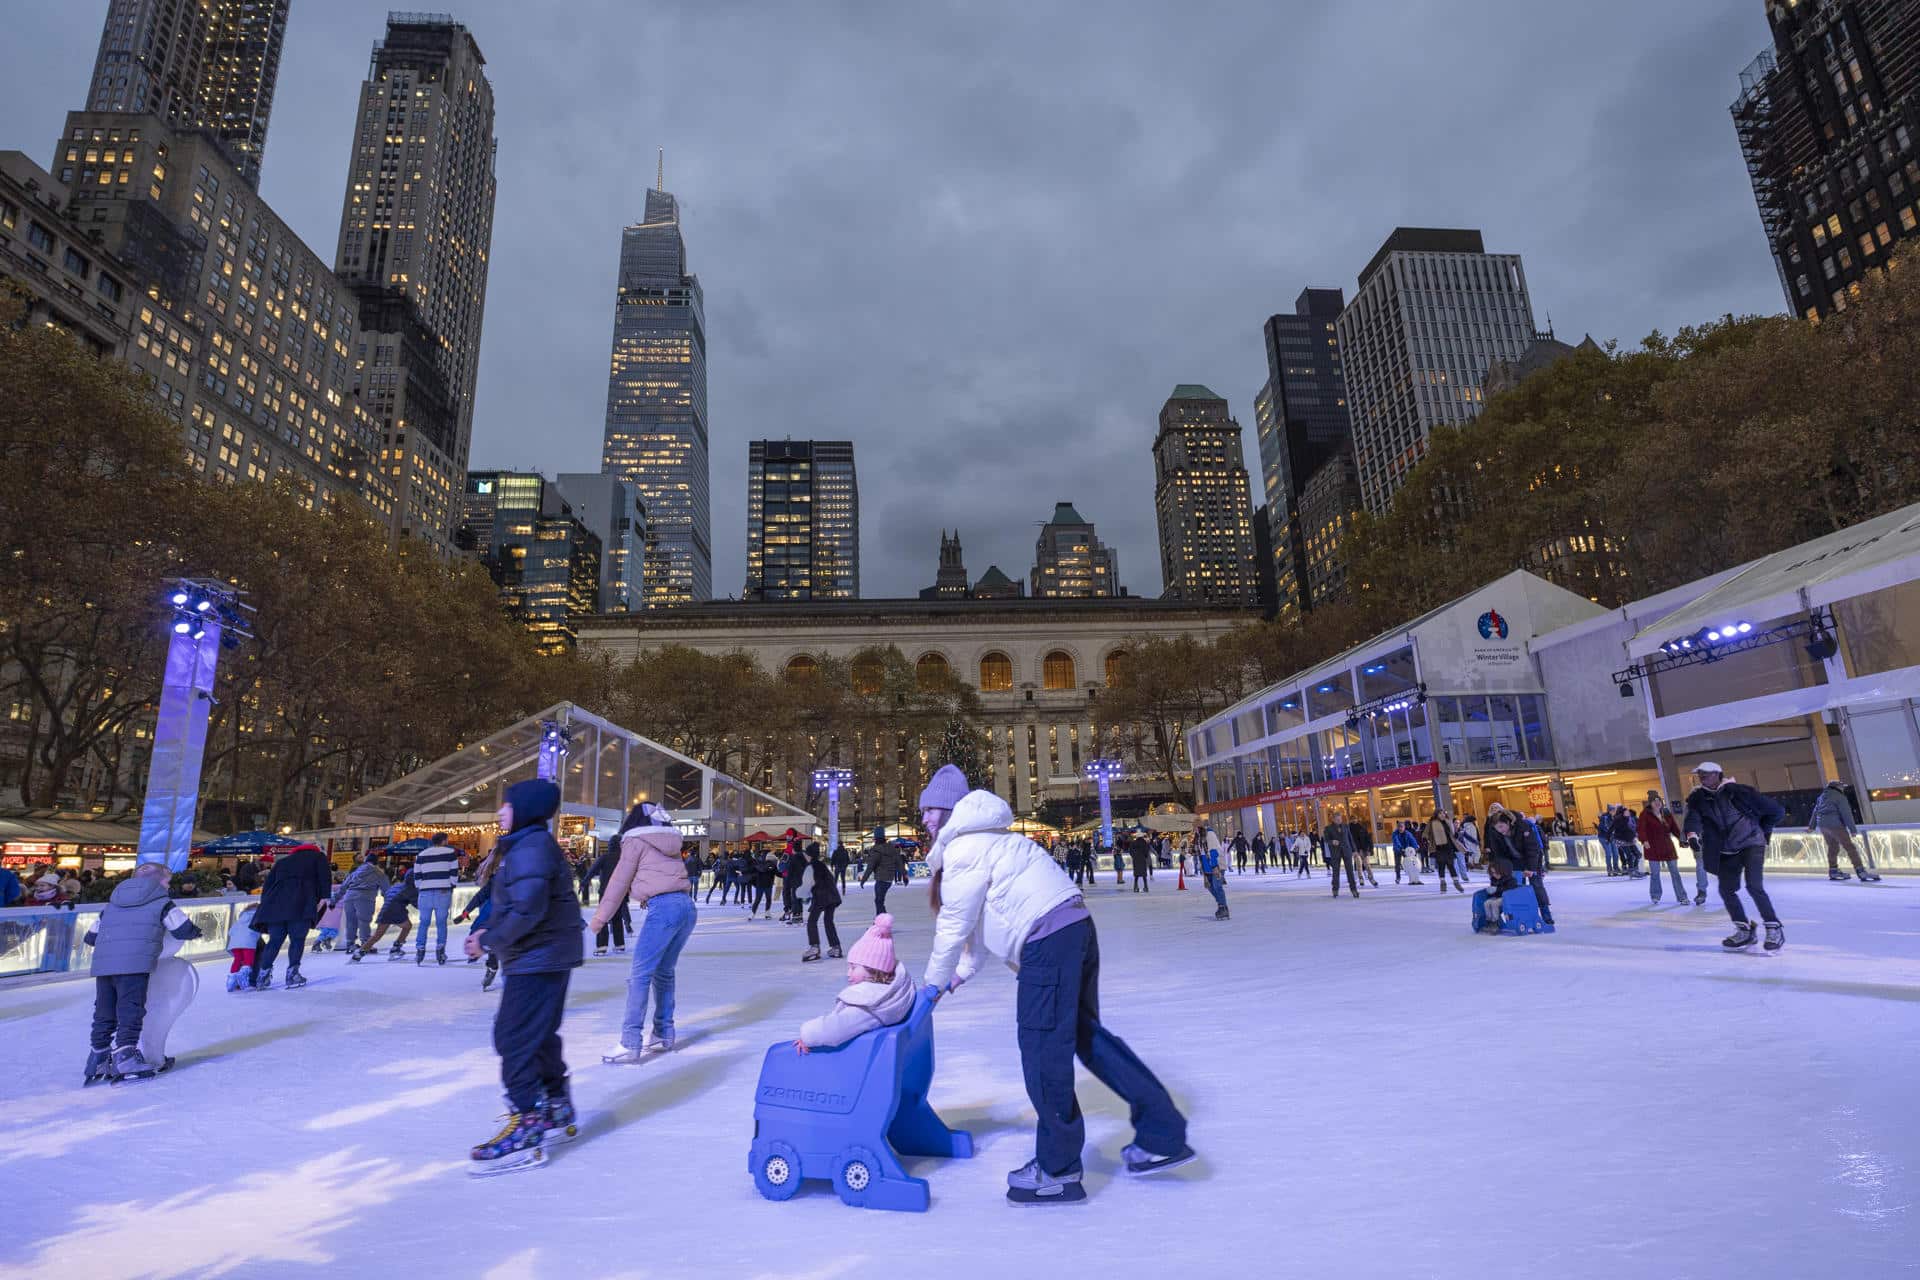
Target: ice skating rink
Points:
(1373, 1090)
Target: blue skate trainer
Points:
(847, 1114)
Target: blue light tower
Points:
(830, 779)
(555, 738)
(207, 617)
(1103, 772)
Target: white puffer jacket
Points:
(994, 886)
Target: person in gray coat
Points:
(1833, 818)
(359, 900)
(126, 938)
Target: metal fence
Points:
(53, 940)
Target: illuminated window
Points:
(802, 667)
(1056, 671)
(1116, 663)
(867, 674)
(931, 671)
(996, 673)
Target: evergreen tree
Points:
(963, 746)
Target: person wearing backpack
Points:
(1730, 825)
(1833, 818)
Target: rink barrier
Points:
(53, 940)
(1883, 848)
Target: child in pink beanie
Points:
(879, 993)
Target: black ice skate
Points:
(1700, 898)
(561, 1119)
(439, 955)
(263, 979)
(835, 953)
(420, 956)
(1776, 936)
(1142, 1163)
(811, 953)
(1837, 874)
(1743, 936)
(493, 972)
(516, 1146)
(295, 980)
(356, 955)
(99, 1066)
(1869, 877)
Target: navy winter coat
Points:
(535, 926)
(299, 882)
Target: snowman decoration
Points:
(169, 991)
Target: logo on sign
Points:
(1493, 626)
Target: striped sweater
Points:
(436, 867)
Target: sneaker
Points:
(1837, 874)
(295, 980)
(1776, 936)
(1141, 1162)
(1743, 935)
(811, 953)
(1031, 1177)
(622, 1056)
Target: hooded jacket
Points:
(128, 933)
(994, 886)
(860, 1008)
(1832, 810)
(535, 926)
(299, 882)
(366, 880)
(650, 864)
(1730, 819)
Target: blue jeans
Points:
(433, 903)
(1653, 880)
(1217, 886)
(1699, 873)
(1613, 857)
(662, 936)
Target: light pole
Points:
(830, 778)
(1103, 772)
(207, 616)
(554, 740)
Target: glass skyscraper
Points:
(803, 520)
(656, 436)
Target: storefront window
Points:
(1533, 728)
(1453, 739)
(1384, 675)
(1329, 696)
(1505, 735)
(1882, 628)
(1284, 713)
(1889, 759)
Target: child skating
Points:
(879, 993)
(126, 939)
(243, 944)
(536, 931)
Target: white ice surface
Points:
(1373, 1091)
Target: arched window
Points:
(1116, 662)
(931, 671)
(868, 674)
(802, 667)
(996, 673)
(1056, 671)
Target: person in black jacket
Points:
(1142, 855)
(764, 872)
(622, 922)
(840, 861)
(1729, 826)
(826, 897)
(296, 887)
(535, 930)
(1513, 853)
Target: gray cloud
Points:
(985, 240)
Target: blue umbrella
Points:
(247, 842)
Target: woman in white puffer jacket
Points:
(995, 889)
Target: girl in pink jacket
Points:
(879, 993)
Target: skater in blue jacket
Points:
(535, 929)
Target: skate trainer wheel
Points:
(777, 1174)
(855, 1171)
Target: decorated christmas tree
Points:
(963, 745)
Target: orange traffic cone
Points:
(1183, 877)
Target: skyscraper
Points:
(196, 64)
(540, 553)
(1826, 120)
(416, 230)
(950, 580)
(656, 432)
(1068, 560)
(1302, 423)
(606, 505)
(803, 521)
(1434, 309)
(1201, 499)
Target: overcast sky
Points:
(984, 241)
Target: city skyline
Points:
(831, 220)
